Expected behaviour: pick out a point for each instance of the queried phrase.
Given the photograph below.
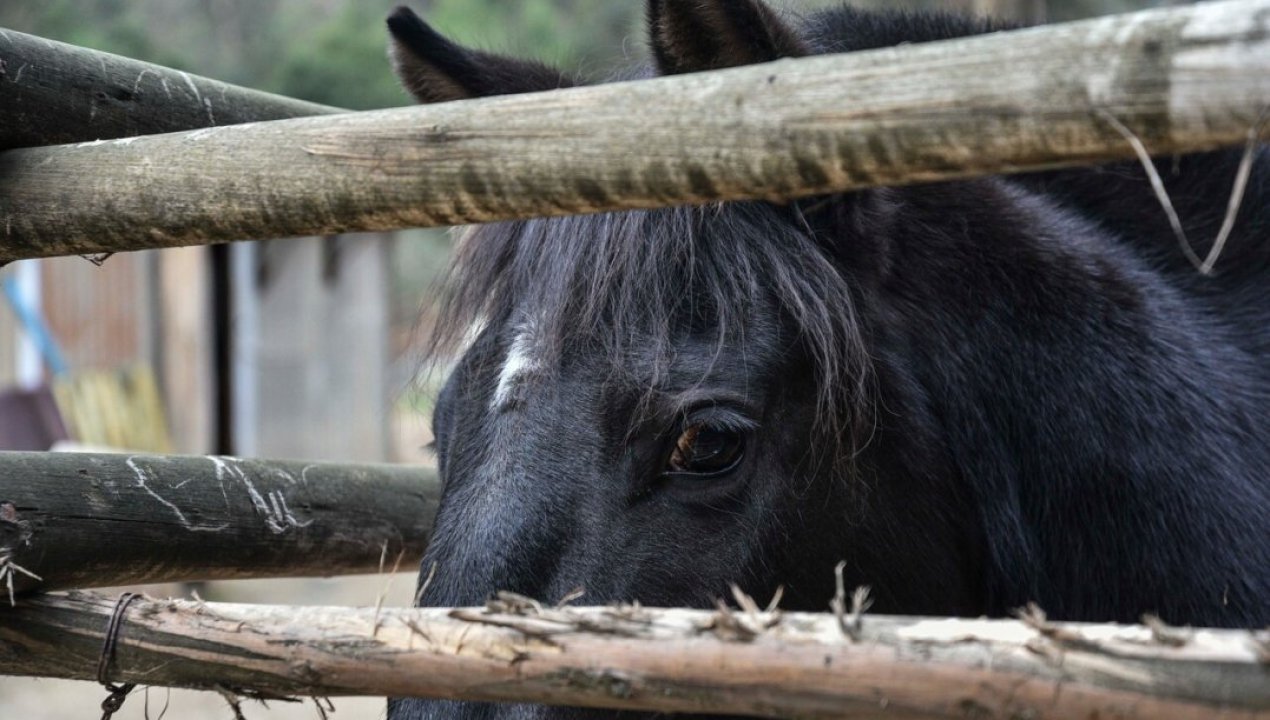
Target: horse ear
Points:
(695, 35)
(434, 69)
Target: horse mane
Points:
(629, 284)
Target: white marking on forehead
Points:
(521, 361)
(473, 331)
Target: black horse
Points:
(977, 394)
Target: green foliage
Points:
(341, 61)
(571, 34)
(116, 26)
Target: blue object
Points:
(35, 327)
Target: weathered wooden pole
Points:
(787, 666)
(51, 93)
(92, 520)
(1183, 79)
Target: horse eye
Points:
(705, 450)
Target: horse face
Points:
(658, 468)
(631, 482)
(659, 404)
(976, 394)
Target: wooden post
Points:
(729, 662)
(329, 296)
(51, 92)
(1183, 79)
(185, 347)
(94, 520)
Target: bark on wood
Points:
(84, 520)
(51, 92)
(795, 665)
(1184, 79)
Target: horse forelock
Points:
(632, 284)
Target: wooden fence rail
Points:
(51, 92)
(792, 665)
(93, 520)
(1183, 79)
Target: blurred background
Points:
(302, 348)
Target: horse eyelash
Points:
(723, 420)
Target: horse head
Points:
(965, 392)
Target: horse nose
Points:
(495, 540)
(510, 511)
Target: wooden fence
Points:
(746, 662)
(72, 520)
(1182, 79)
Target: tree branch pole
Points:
(733, 662)
(51, 92)
(94, 520)
(1183, 79)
